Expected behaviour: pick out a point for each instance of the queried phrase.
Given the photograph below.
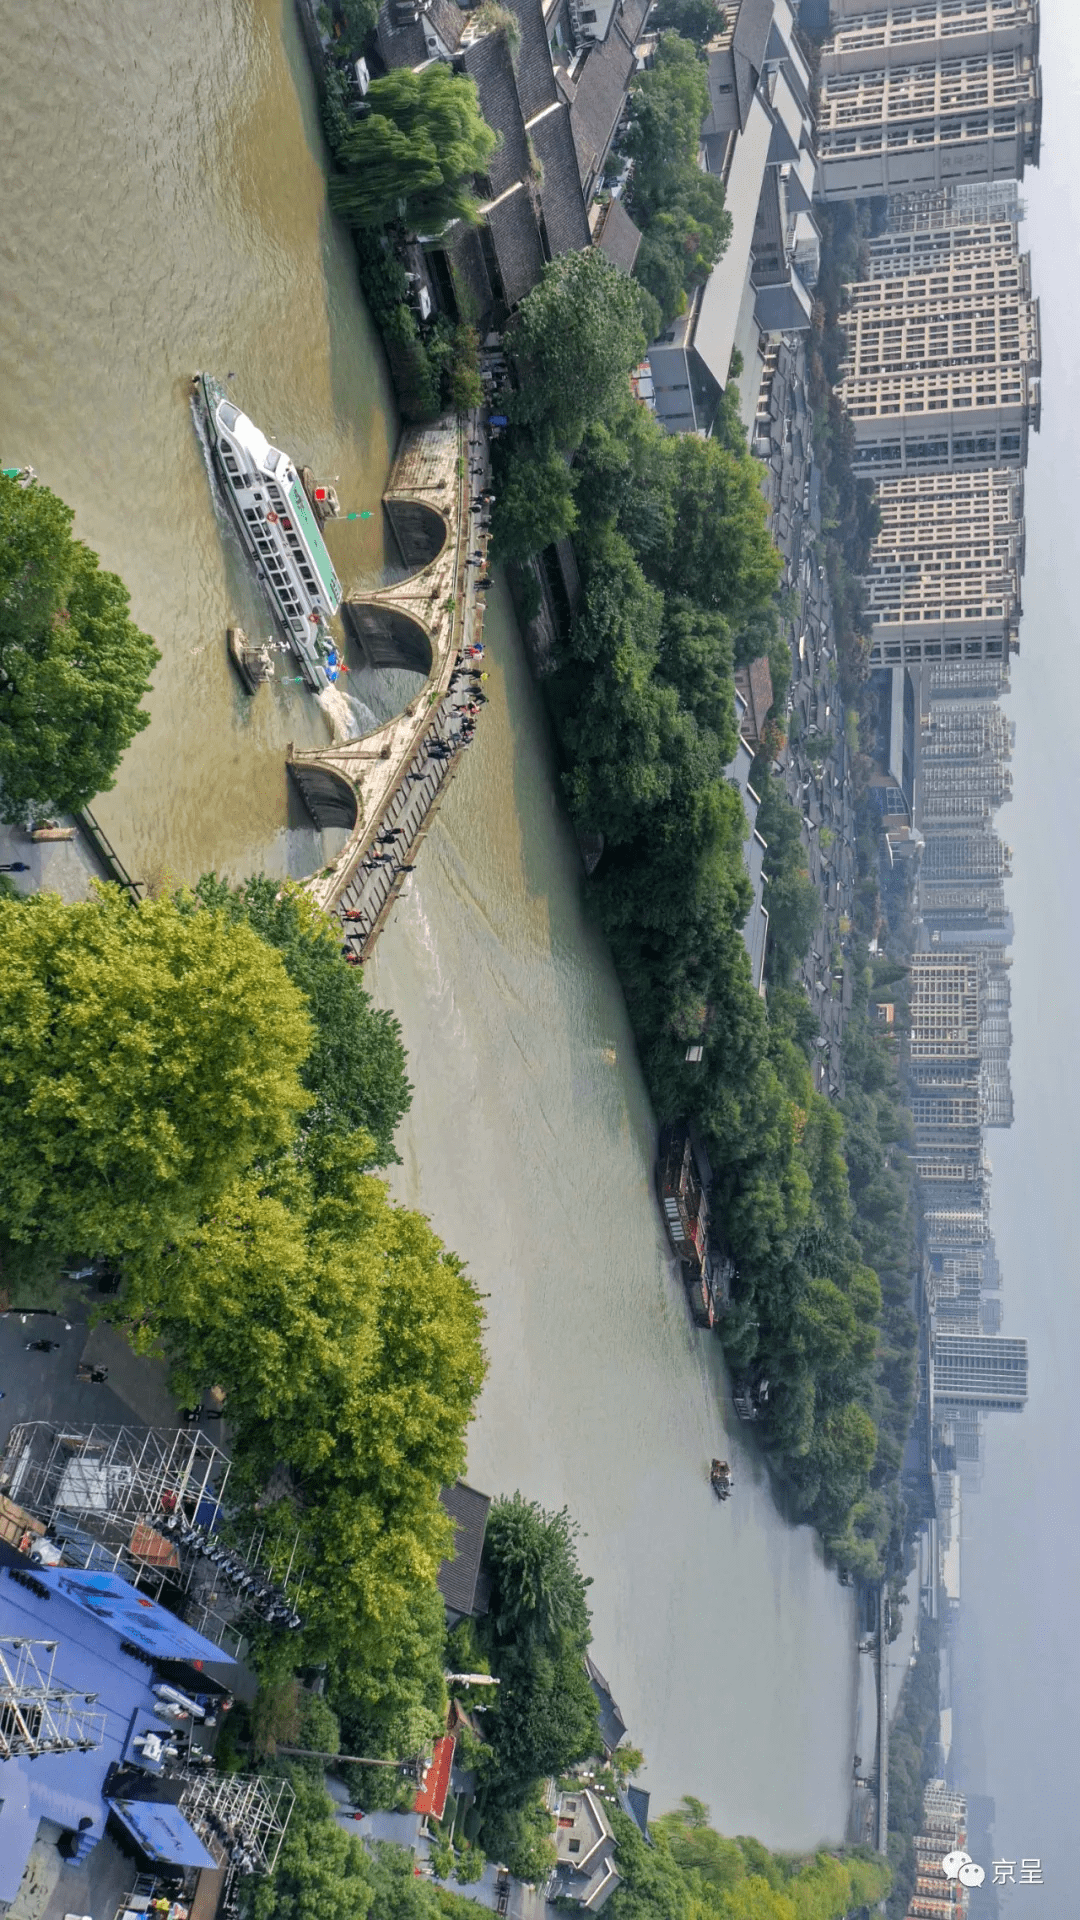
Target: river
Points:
(166, 209)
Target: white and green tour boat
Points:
(277, 525)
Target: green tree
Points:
(720, 555)
(349, 1344)
(322, 1872)
(574, 339)
(149, 1057)
(358, 18)
(537, 1588)
(73, 666)
(416, 152)
(684, 237)
(697, 656)
(668, 103)
(355, 1069)
(535, 505)
(697, 20)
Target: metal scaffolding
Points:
(151, 1503)
(37, 1716)
(240, 1817)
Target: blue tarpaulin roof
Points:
(161, 1833)
(129, 1613)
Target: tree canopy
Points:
(149, 1058)
(694, 1873)
(355, 1068)
(697, 20)
(348, 1341)
(535, 1638)
(574, 340)
(415, 154)
(73, 666)
(680, 209)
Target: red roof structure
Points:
(436, 1781)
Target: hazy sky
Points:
(1018, 1655)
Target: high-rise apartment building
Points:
(893, 256)
(966, 731)
(957, 206)
(968, 679)
(945, 567)
(942, 369)
(921, 97)
(984, 1370)
(957, 1226)
(965, 856)
(945, 1007)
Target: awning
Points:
(435, 1783)
(161, 1833)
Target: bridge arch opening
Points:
(386, 637)
(420, 530)
(328, 797)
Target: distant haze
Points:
(1017, 1668)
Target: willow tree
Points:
(415, 154)
(73, 665)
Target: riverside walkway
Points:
(386, 785)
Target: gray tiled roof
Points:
(602, 85)
(400, 46)
(489, 62)
(565, 219)
(536, 81)
(598, 101)
(516, 239)
(618, 237)
(406, 46)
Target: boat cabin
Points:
(277, 522)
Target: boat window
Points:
(228, 414)
(272, 461)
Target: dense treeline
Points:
(542, 1718)
(680, 581)
(684, 223)
(198, 1089)
(692, 1872)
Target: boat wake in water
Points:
(349, 717)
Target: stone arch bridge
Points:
(390, 781)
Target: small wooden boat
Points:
(252, 663)
(721, 1480)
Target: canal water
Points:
(165, 209)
